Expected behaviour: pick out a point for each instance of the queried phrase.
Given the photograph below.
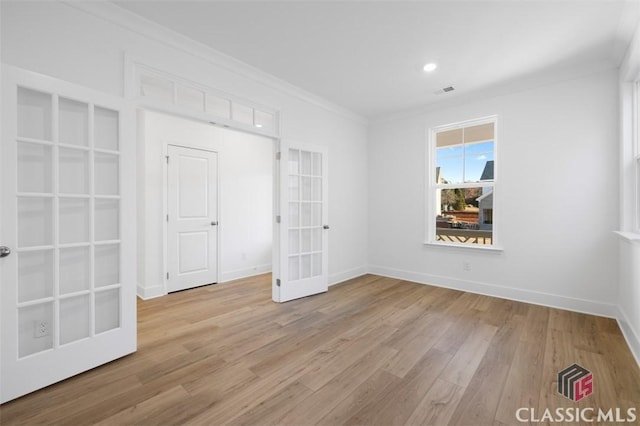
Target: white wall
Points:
(556, 198)
(629, 245)
(85, 43)
(245, 178)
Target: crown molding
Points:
(131, 22)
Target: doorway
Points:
(245, 200)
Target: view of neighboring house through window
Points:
(463, 182)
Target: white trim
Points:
(343, 276)
(146, 293)
(631, 335)
(628, 236)
(519, 295)
(244, 273)
(481, 247)
(131, 22)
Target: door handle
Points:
(4, 251)
(214, 223)
(325, 227)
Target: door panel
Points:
(192, 218)
(304, 228)
(194, 251)
(68, 288)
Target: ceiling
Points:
(367, 56)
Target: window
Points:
(165, 90)
(462, 182)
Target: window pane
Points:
(449, 164)
(156, 88)
(242, 113)
(264, 120)
(190, 98)
(75, 318)
(35, 168)
(107, 310)
(465, 215)
(478, 162)
(35, 275)
(35, 325)
(73, 122)
(479, 133)
(218, 106)
(106, 129)
(34, 114)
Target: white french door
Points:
(304, 226)
(192, 199)
(67, 291)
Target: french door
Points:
(67, 290)
(192, 229)
(304, 226)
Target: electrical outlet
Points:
(466, 265)
(41, 328)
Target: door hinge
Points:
(167, 218)
(167, 275)
(278, 282)
(278, 155)
(278, 219)
(167, 157)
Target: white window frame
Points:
(431, 186)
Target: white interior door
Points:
(192, 248)
(68, 286)
(304, 226)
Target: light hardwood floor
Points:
(370, 351)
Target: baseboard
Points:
(631, 335)
(245, 273)
(146, 293)
(520, 295)
(347, 275)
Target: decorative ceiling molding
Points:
(131, 22)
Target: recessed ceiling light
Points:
(430, 67)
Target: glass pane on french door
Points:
(305, 223)
(68, 221)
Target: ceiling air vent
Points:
(444, 90)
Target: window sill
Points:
(477, 247)
(629, 236)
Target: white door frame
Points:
(165, 207)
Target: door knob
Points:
(325, 227)
(4, 251)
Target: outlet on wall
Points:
(41, 328)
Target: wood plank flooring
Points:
(371, 351)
